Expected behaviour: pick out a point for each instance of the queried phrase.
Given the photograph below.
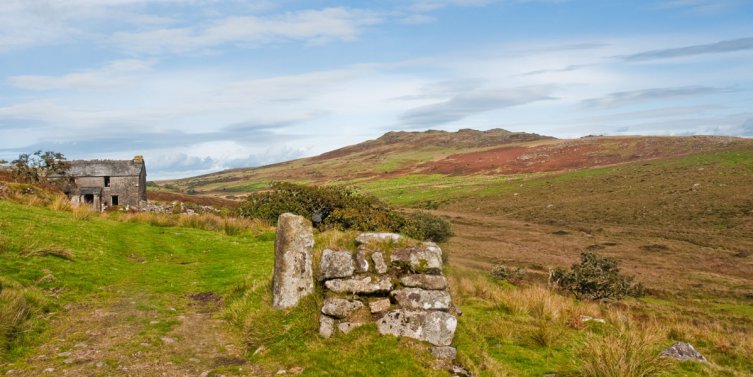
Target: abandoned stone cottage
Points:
(105, 183)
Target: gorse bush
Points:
(596, 278)
(511, 274)
(332, 207)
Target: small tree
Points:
(596, 278)
(35, 167)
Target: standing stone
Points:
(437, 328)
(379, 264)
(336, 264)
(293, 275)
(326, 326)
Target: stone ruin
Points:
(398, 286)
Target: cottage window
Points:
(107, 181)
(114, 200)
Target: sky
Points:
(197, 86)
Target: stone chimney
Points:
(138, 159)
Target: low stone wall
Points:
(402, 289)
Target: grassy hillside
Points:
(107, 297)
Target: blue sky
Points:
(198, 86)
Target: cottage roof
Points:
(102, 168)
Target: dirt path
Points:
(136, 335)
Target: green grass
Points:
(157, 268)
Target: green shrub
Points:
(423, 225)
(333, 207)
(511, 274)
(596, 278)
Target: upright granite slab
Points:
(293, 274)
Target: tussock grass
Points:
(60, 202)
(52, 250)
(82, 212)
(207, 221)
(18, 306)
(627, 352)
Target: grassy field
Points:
(175, 296)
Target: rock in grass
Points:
(683, 351)
(336, 264)
(417, 298)
(339, 307)
(437, 328)
(365, 238)
(379, 264)
(360, 285)
(444, 352)
(293, 274)
(326, 326)
(436, 282)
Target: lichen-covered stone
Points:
(437, 328)
(683, 351)
(417, 298)
(340, 307)
(419, 259)
(444, 352)
(365, 238)
(293, 274)
(379, 305)
(424, 281)
(346, 327)
(379, 264)
(326, 326)
(336, 264)
(360, 285)
(362, 264)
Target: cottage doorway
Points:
(89, 198)
(114, 200)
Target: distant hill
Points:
(462, 153)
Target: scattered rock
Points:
(379, 264)
(346, 327)
(293, 274)
(458, 371)
(64, 354)
(437, 328)
(379, 305)
(425, 259)
(99, 364)
(262, 349)
(10, 372)
(585, 318)
(336, 264)
(49, 370)
(296, 370)
(417, 298)
(444, 352)
(326, 326)
(362, 264)
(356, 285)
(365, 238)
(683, 351)
(68, 361)
(281, 372)
(167, 340)
(424, 281)
(339, 307)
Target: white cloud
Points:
(114, 74)
(312, 26)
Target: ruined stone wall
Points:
(398, 286)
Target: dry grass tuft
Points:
(206, 221)
(82, 212)
(53, 251)
(628, 352)
(60, 202)
(17, 305)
